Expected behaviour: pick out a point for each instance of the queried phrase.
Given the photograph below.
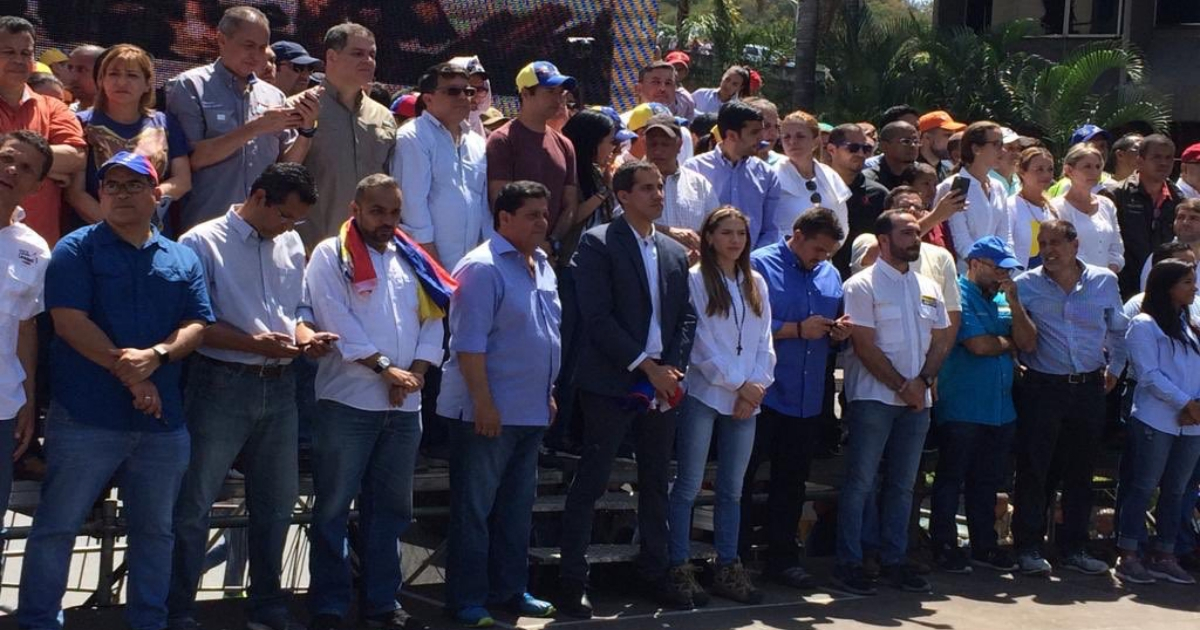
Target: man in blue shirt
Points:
(505, 351)
(738, 177)
(128, 305)
(1077, 311)
(805, 291)
(974, 410)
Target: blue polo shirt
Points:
(796, 294)
(972, 388)
(138, 297)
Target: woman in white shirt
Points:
(1029, 207)
(986, 212)
(734, 84)
(732, 364)
(1164, 431)
(1094, 217)
(803, 181)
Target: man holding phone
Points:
(805, 291)
(236, 125)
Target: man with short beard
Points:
(901, 333)
(935, 129)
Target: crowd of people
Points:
(282, 256)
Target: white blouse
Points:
(1100, 241)
(718, 368)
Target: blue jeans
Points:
(693, 436)
(975, 458)
(879, 432)
(80, 461)
(374, 452)
(493, 482)
(257, 417)
(1185, 540)
(1159, 460)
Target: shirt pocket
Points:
(19, 293)
(168, 284)
(889, 326)
(219, 118)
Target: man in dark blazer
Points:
(638, 325)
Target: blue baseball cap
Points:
(622, 134)
(544, 74)
(996, 250)
(132, 161)
(1087, 132)
(293, 53)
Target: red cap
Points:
(1191, 155)
(678, 56)
(756, 81)
(938, 120)
(406, 105)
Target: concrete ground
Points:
(982, 601)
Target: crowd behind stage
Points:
(273, 255)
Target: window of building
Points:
(1071, 18)
(1178, 12)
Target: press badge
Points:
(928, 300)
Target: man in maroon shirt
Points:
(526, 149)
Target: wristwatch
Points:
(163, 356)
(307, 133)
(382, 364)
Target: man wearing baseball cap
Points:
(1189, 172)
(293, 67)
(684, 105)
(526, 148)
(128, 306)
(688, 196)
(935, 128)
(976, 424)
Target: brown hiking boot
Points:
(733, 582)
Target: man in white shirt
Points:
(254, 270)
(901, 335)
(1187, 231)
(688, 197)
(442, 167)
(25, 159)
(367, 285)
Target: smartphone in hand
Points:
(960, 185)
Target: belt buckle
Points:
(1076, 379)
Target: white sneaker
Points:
(1032, 563)
(1085, 564)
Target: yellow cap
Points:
(52, 56)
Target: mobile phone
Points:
(960, 185)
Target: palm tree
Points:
(804, 93)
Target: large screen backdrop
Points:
(602, 42)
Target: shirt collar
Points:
(239, 225)
(106, 236)
(223, 73)
(463, 126)
(648, 239)
(721, 159)
(503, 247)
(891, 272)
(1186, 188)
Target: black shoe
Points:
(398, 619)
(995, 559)
(903, 577)
(951, 559)
(852, 579)
(573, 600)
(792, 577)
(669, 594)
(325, 622)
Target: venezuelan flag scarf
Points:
(435, 285)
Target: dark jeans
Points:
(256, 417)
(1059, 427)
(789, 444)
(605, 426)
(975, 458)
(493, 483)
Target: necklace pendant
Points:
(739, 351)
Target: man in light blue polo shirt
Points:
(505, 349)
(974, 410)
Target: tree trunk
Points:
(681, 15)
(805, 91)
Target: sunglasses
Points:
(811, 186)
(455, 92)
(855, 147)
(133, 187)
